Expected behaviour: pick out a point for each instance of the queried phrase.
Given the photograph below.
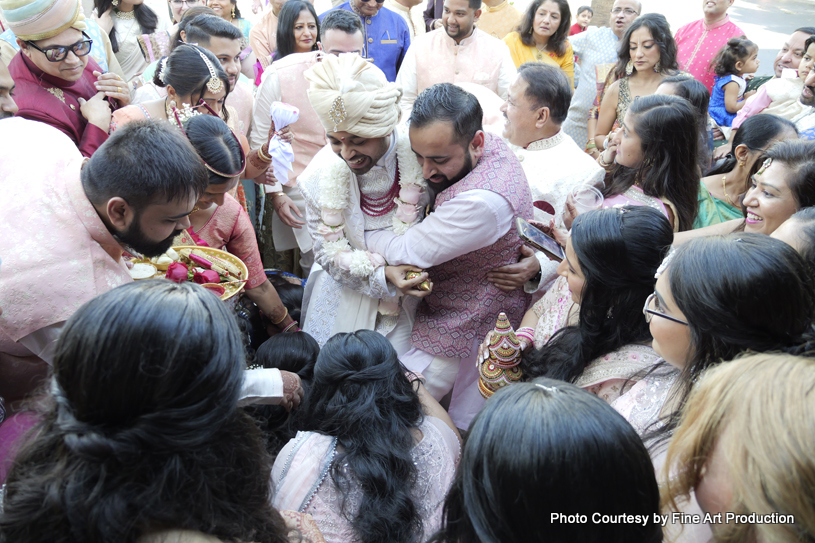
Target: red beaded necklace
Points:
(376, 207)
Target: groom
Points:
(350, 187)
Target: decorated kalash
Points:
(500, 369)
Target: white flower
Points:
(333, 248)
(360, 264)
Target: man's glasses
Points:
(649, 313)
(180, 3)
(377, 1)
(627, 11)
(58, 53)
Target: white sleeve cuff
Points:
(261, 386)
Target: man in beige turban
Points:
(57, 82)
(366, 178)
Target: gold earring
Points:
(629, 68)
(233, 12)
(741, 164)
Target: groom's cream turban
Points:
(33, 20)
(352, 95)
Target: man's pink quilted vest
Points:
(464, 306)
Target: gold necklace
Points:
(126, 15)
(540, 51)
(724, 188)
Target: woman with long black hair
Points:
(141, 438)
(375, 457)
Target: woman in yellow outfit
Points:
(542, 36)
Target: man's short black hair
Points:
(204, 27)
(547, 86)
(340, 19)
(448, 103)
(144, 163)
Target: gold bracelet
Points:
(286, 314)
(262, 156)
(278, 193)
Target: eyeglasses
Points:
(180, 3)
(58, 53)
(627, 11)
(377, 1)
(649, 313)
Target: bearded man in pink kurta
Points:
(456, 53)
(698, 42)
(71, 223)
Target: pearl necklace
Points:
(126, 15)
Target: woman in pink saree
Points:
(588, 328)
(377, 457)
(220, 222)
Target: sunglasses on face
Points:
(377, 1)
(58, 53)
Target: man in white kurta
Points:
(283, 81)
(456, 53)
(554, 165)
(594, 47)
(350, 187)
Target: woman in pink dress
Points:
(587, 329)
(377, 454)
(220, 222)
(652, 160)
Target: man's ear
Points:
(542, 117)
(477, 145)
(119, 212)
(477, 15)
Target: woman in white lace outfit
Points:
(588, 328)
(544, 448)
(377, 457)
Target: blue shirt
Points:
(387, 39)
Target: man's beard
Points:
(434, 188)
(6, 115)
(135, 238)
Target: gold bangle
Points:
(286, 314)
(262, 156)
(278, 193)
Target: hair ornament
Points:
(764, 166)
(665, 263)
(214, 84)
(162, 72)
(551, 390)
